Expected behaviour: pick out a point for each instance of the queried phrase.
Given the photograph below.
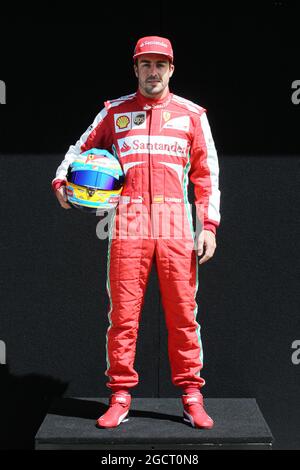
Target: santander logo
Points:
(158, 145)
(125, 147)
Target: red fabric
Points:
(211, 227)
(56, 184)
(160, 145)
(122, 399)
(153, 187)
(129, 268)
(195, 413)
(160, 140)
(190, 400)
(119, 406)
(190, 390)
(122, 392)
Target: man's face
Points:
(153, 72)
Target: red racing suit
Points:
(161, 144)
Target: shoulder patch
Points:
(189, 105)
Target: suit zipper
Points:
(150, 171)
(149, 157)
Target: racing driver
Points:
(162, 141)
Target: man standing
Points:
(162, 141)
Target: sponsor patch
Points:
(139, 120)
(121, 399)
(127, 121)
(159, 198)
(90, 192)
(191, 400)
(158, 145)
(171, 121)
(113, 199)
(124, 199)
(122, 122)
(90, 157)
(137, 200)
(173, 199)
(125, 147)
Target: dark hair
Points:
(136, 61)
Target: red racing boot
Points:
(119, 404)
(194, 412)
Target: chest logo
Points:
(122, 121)
(166, 116)
(129, 121)
(125, 147)
(139, 119)
(176, 122)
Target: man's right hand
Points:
(62, 197)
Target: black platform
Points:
(154, 423)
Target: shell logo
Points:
(122, 122)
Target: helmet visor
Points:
(95, 179)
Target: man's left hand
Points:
(206, 245)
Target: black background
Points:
(239, 62)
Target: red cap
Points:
(153, 45)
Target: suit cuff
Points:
(57, 183)
(211, 227)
